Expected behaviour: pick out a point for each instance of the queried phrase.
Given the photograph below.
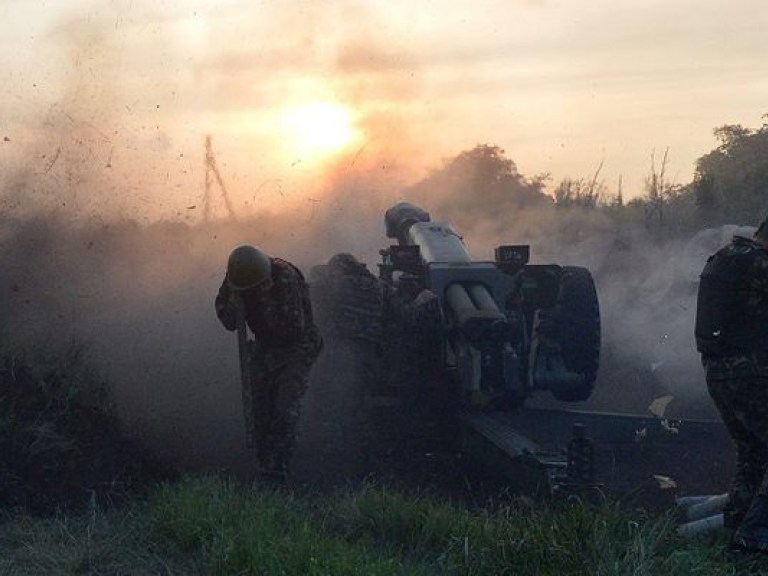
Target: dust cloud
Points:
(647, 290)
(105, 240)
(102, 243)
(140, 296)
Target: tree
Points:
(580, 193)
(733, 178)
(478, 183)
(706, 199)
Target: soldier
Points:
(732, 336)
(363, 311)
(275, 302)
(349, 300)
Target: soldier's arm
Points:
(225, 308)
(422, 310)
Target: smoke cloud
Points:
(102, 240)
(647, 290)
(140, 296)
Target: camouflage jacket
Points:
(751, 313)
(349, 302)
(355, 304)
(280, 319)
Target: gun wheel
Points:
(578, 331)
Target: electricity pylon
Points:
(211, 173)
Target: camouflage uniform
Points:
(286, 345)
(413, 340)
(737, 380)
(377, 324)
(349, 300)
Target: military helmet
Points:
(344, 262)
(247, 267)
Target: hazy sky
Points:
(133, 86)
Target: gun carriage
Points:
(506, 330)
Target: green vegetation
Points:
(730, 186)
(77, 498)
(213, 526)
(59, 437)
(94, 541)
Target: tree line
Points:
(729, 186)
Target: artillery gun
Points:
(502, 331)
(508, 328)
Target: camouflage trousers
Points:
(277, 393)
(739, 389)
(366, 365)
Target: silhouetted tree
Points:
(706, 199)
(479, 183)
(733, 178)
(580, 193)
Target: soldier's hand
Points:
(429, 305)
(426, 298)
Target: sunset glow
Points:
(291, 90)
(318, 129)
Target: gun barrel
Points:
(412, 226)
(475, 311)
(401, 217)
(482, 297)
(470, 297)
(438, 243)
(458, 299)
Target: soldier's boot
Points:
(752, 533)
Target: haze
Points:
(320, 114)
(561, 86)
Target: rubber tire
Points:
(578, 331)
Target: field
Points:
(155, 367)
(208, 525)
(77, 500)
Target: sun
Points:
(318, 128)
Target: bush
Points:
(60, 442)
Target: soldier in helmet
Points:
(274, 300)
(349, 302)
(376, 343)
(732, 336)
(358, 308)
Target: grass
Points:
(247, 531)
(212, 526)
(62, 464)
(89, 542)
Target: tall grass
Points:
(212, 526)
(94, 541)
(517, 538)
(249, 531)
(237, 530)
(60, 442)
